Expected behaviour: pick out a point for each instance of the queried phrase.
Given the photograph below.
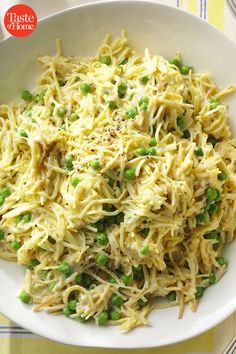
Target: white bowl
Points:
(164, 30)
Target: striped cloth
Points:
(16, 340)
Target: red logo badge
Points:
(20, 20)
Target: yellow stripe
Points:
(192, 6)
(216, 13)
(203, 343)
(4, 320)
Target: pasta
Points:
(118, 186)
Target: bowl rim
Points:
(222, 313)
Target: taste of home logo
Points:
(20, 20)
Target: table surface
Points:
(218, 13)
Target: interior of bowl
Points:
(164, 30)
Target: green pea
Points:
(211, 193)
(140, 152)
(6, 192)
(138, 272)
(176, 62)
(33, 264)
(222, 176)
(98, 225)
(208, 204)
(29, 113)
(143, 100)
(181, 122)
(41, 97)
(218, 195)
(25, 297)
(42, 94)
(222, 261)
(69, 158)
(36, 98)
(109, 179)
(122, 89)
(212, 278)
(151, 151)
(112, 280)
(185, 69)
(102, 238)
(129, 174)
(79, 279)
(61, 111)
(214, 235)
(23, 133)
(26, 218)
(124, 61)
(62, 82)
(115, 315)
(26, 95)
(68, 162)
(142, 302)
(171, 296)
(81, 319)
(199, 292)
(67, 311)
(65, 268)
(186, 134)
(127, 279)
(112, 105)
(212, 209)
(143, 79)
(18, 218)
(95, 164)
(117, 300)
(212, 140)
(84, 280)
(131, 113)
(85, 88)
(143, 103)
(63, 126)
(153, 142)
(101, 259)
(44, 273)
(74, 181)
(2, 199)
(201, 218)
(198, 151)
(72, 305)
(15, 245)
(52, 285)
(103, 318)
(74, 117)
(119, 218)
(1, 235)
(144, 232)
(144, 250)
(213, 103)
(105, 59)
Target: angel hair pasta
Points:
(118, 187)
